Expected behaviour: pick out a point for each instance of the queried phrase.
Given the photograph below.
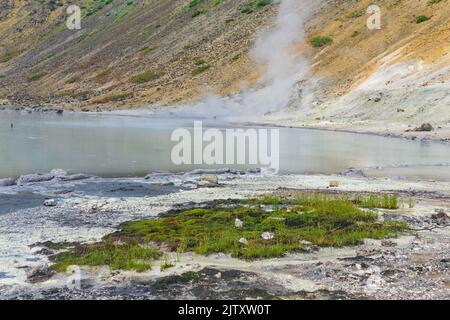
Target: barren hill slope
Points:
(127, 52)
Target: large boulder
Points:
(425, 127)
(39, 274)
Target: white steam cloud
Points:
(273, 49)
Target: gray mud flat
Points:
(414, 267)
(206, 284)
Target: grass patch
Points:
(421, 19)
(385, 201)
(72, 93)
(52, 32)
(215, 3)
(113, 98)
(165, 263)
(194, 3)
(123, 11)
(147, 50)
(34, 76)
(319, 41)
(322, 220)
(200, 69)
(357, 14)
(146, 77)
(47, 57)
(96, 6)
(56, 245)
(199, 12)
(251, 5)
(72, 80)
(199, 61)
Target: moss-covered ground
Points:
(296, 224)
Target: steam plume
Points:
(273, 49)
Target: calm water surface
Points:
(116, 145)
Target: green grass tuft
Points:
(319, 41)
(421, 19)
(34, 76)
(200, 69)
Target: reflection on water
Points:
(113, 145)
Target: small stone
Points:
(243, 241)
(238, 223)
(305, 243)
(334, 184)
(50, 203)
(267, 235)
(218, 275)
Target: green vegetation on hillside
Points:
(319, 41)
(96, 6)
(113, 98)
(146, 77)
(7, 56)
(357, 14)
(271, 226)
(201, 66)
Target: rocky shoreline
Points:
(414, 266)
